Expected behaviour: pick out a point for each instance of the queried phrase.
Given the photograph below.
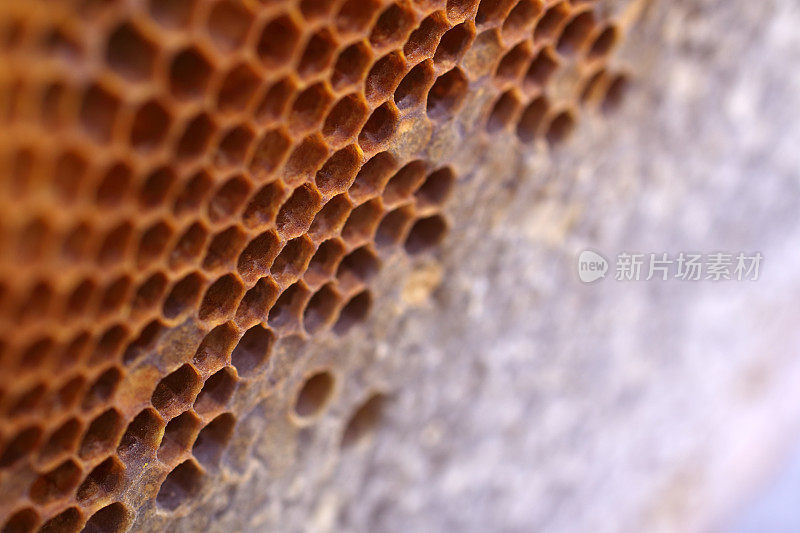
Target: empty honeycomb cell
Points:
(150, 125)
(354, 312)
(103, 481)
(392, 27)
(221, 298)
(309, 108)
(113, 518)
(130, 53)
(274, 102)
(184, 295)
(36, 352)
(36, 303)
(362, 222)
(142, 436)
(180, 485)
(33, 240)
(233, 146)
(20, 445)
(156, 187)
(102, 389)
(414, 86)
(317, 54)
(305, 159)
(238, 88)
(114, 247)
(321, 309)
(228, 23)
(576, 33)
(102, 434)
(292, 260)
(98, 112)
(114, 185)
(145, 342)
(68, 521)
(178, 436)
(62, 441)
(215, 347)
(264, 205)
(297, 213)
(69, 393)
(314, 396)
(345, 119)
(331, 218)
(550, 24)
(52, 106)
(541, 69)
(453, 44)
(189, 73)
(228, 199)
(256, 301)
(27, 401)
(153, 243)
(379, 128)
(393, 226)
(149, 293)
(339, 171)
(258, 256)
(372, 177)
(531, 119)
(560, 127)
(314, 9)
(213, 439)
(350, 66)
(77, 242)
(513, 63)
(285, 313)
(503, 112)
(23, 521)
(253, 350)
(74, 350)
(404, 182)
(278, 41)
(189, 246)
(423, 40)
(355, 16)
(603, 43)
(172, 13)
(192, 193)
(384, 76)
(195, 137)
(492, 11)
(216, 392)
(447, 94)
(615, 92)
(364, 420)
(177, 391)
(324, 262)
(68, 175)
(269, 153)
(359, 266)
(425, 234)
(56, 483)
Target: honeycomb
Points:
(188, 183)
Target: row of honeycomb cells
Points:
(232, 168)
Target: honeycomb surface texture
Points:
(202, 205)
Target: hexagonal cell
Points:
(130, 53)
(423, 40)
(74, 350)
(384, 76)
(345, 119)
(193, 192)
(454, 44)
(189, 246)
(56, 483)
(264, 206)
(233, 146)
(114, 185)
(317, 54)
(309, 108)
(362, 222)
(541, 69)
(115, 244)
(415, 85)
(404, 182)
(113, 518)
(447, 94)
(314, 9)
(503, 112)
(321, 309)
(216, 392)
(615, 93)
(372, 177)
(150, 125)
(172, 13)
(324, 262)
(77, 241)
(603, 43)
(238, 88)
(359, 266)
(531, 119)
(576, 33)
(560, 128)
(285, 314)
(269, 153)
(256, 259)
(305, 160)
(36, 303)
(156, 187)
(213, 439)
(79, 298)
(176, 392)
(149, 293)
(491, 12)
(98, 112)
(145, 342)
(66, 521)
(354, 312)
(253, 350)
(228, 199)
(102, 434)
(69, 393)
(142, 436)
(425, 234)
(178, 436)
(195, 137)
(23, 443)
(103, 481)
(256, 302)
(355, 16)
(364, 420)
(379, 128)
(23, 521)
(314, 396)
(52, 107)
(109, 344)
(351, 65)
(27, 401)
(392, 27)
(153, 243)
(437, 187)
(189, 72)
(549, 25)
(68, 175)
(331, 218)
(215, 347)
(221, 298)
(180, 486)
(35, 352)
(184, 295)
(228, 23)
(292, 260)
(275, 100)
(339, 171)
(62, 441)
(296, 215)
(520, 20)
(278, 41)
(393, 226)
(102, 389)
